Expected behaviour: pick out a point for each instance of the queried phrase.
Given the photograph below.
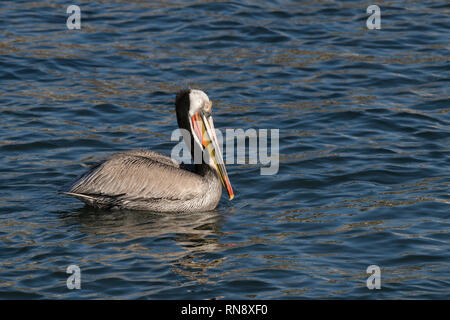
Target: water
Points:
(364, 148)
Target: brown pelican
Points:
(145, 180)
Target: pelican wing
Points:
(139, 174)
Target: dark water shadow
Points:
(187, 229)
(179, 239)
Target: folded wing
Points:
(138, 174)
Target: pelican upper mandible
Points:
(145, 180)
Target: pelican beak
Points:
(209, 141)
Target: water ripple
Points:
(364, 148)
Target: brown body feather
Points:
(145, 180)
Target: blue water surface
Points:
(364, 148)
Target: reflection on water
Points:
(129, 232)
(131, 225)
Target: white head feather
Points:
(197, 99)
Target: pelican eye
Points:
(206, 113)
(206, 110)
(207, 106)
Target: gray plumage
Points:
(145, 180)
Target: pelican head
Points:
(194, 115)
